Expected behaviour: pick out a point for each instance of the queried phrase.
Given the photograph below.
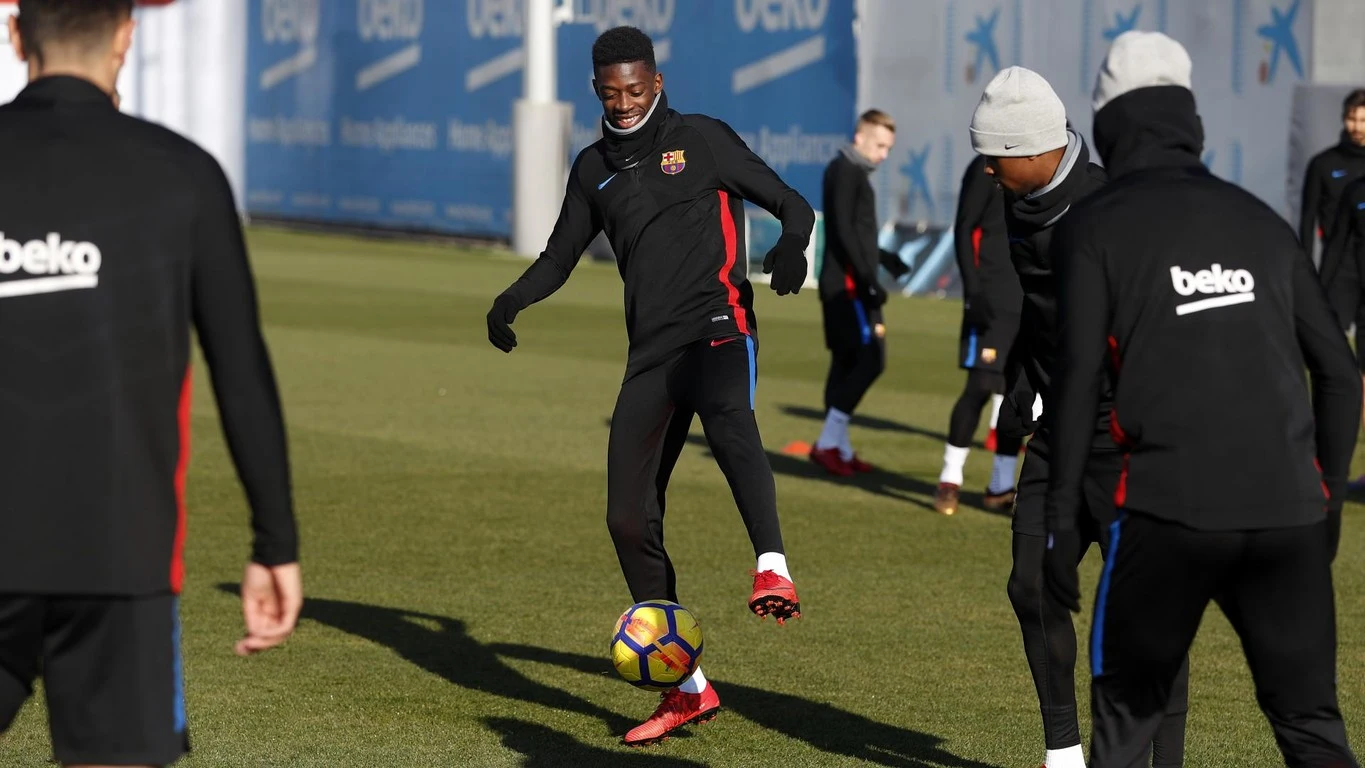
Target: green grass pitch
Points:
(462, 586)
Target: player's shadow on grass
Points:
(441, 646)
(899, 487)
(545, 747)
(820, 725)
(872, 422)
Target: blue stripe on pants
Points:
(179, 704)
(1102, 600)
(753, 370)
(971, 350)
(863, 327)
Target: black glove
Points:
(873, 296)
(1015, 421)
(786, 262)
(500, 317)
(892, 262)
(1060, 576)
(977, 312)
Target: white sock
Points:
(953, 459)
(836, 424)
(1002, 473)
(694, 684)
(996, 400)
(845, 445)
(1071, 757)
(775, 562)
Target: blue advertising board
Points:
(398, 113)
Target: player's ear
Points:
(15, 39)
(658, 82)
(123, 38)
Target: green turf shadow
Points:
(452, 654)
(827, 728)
(547, 748)
(448, 652)
(871, 422)
(902, 488)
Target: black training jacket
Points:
(851, 258)
(1200, 300)
(982, 246)
(1348, 232)
(1030, 222)
(117, 236)
(674, 215)
(1327, 175)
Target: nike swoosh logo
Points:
(1011, 146)
(608, 181)
(718, 342)
(1338, 174)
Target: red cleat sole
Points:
(776, 606)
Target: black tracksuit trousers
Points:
(1048, 632)
(966, 413)
(1275, 586)
(855, 338)
(714, 379)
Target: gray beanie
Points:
(1019, 116)
(1140, 60)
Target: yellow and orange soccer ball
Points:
(657, 645)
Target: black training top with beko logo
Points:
(117, 236)
(1199, 300)
(670, 199)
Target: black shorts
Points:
(850, 324)
(1102, 471)
(111, 672)
(985, 349)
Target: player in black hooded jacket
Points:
(1212, 313)
(668, 190)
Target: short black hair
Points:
(75, 22)
(1354, 100)
(621, 45)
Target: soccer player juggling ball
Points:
(668, 190)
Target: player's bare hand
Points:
(271, 600)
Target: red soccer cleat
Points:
(676, 710)
(858, 465)
(774, 595)
(832, 462)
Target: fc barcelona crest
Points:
(673, 162)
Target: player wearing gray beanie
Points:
(1019, 116)
(1141, 60)
(1020, 126)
